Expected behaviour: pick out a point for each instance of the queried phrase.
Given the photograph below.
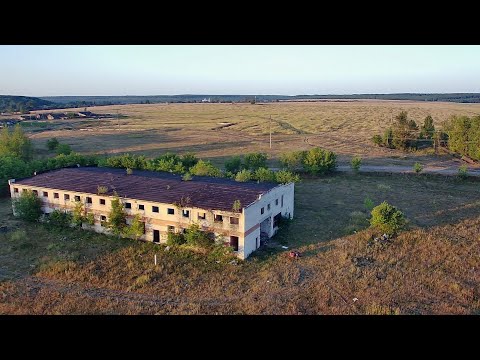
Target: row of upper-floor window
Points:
(128, 205)
(262, 210)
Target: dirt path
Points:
(446, 170)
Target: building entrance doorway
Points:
(156, 236)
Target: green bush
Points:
(377, 140)
(28, 206)
(387, 218)
(60, 218)
(462, 172)
(355, 163)
(233, 165)
(195, 236)
(286, 177)
(237, 206)
(63, 149)
(187, 177)
(205, 168)
(253, 161)
(318, 161)
(368, 204)
(243, 176)
(117, 217)
(52, 144)
(293, 160)
(175, 238)
(264, 175)
(136, 229)
(417, 167)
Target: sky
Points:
(238, 69)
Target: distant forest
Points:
(24, 104)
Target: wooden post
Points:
(155, 258)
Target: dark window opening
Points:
(128, 205)
(218, 218)
(171, 228)
(155, 209)
(170, 211)
(24, 190)
(276, 219)
(15, 190)
(45, 194)
(56, 196)
(282, 201)
(234, 220)
(262, 210)
(202, 216)
(276, 202)
(186, 213)
(141, 207)
(35, 192)
(102, 201)
(77, 198)
(89, 200)
(156, 236)
(257, 245)
(103, 220)
(66, 197)
(234, 242)
(268, 207)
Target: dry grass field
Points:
(432, 268)
(217, 131)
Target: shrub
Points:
(368, 204)
(52, 144)
(28, 206)
(102, 189)
(243, 176)
(388, 138)
(264, 175)
(205, 168)
(286, 177)
(355, 163)
(318, 160)
(78, 213)
(254, 161)
(116, 217)
(377, 140)
(187, 177)
(233, 165)
(136, 229)
(195, 236)
(63, 149)
(237, 206)
(60, 218)
(89, 219)
(129, 171)
(188, 160)
(293, 160)
(462, 172)
(387, 218)
(417, 167)
(175, 239)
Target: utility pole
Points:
(270, 126)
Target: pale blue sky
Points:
(259, 69)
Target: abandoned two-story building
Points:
(240, 213)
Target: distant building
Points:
(205, 100)
(169, 204)
(86, 114)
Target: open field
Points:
(217, 131)
(431, 268)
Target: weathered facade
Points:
(167, 203)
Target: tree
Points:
(136, 229)
(428, 129)
(78, 213)
(264, 175)
(293, 160)
(52, 144)
(286, 177)
(60, 219)
(404, 132)
(204, 168)
(355, 163)
(377, 140)
(318, 160)
(15, 143)
(117, 217)
(188, 160)
(388, 138)
(387, 218)
(64, 149)
(28, 206)
(243, 176)
(195, 236)
(253, 161)
(417, 167)
(237, 206)
(233, 165)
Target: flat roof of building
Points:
(162, 187)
